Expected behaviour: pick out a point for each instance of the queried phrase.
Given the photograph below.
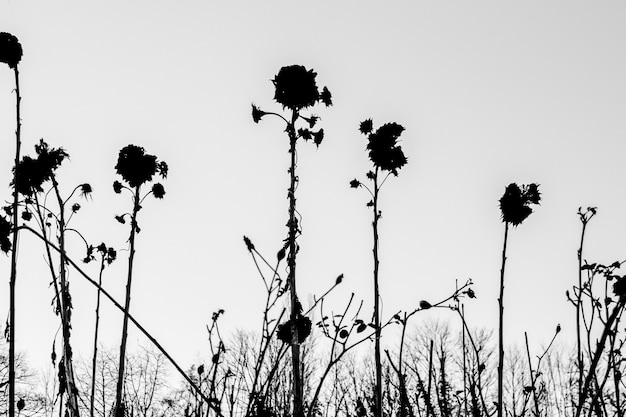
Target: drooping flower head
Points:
(10, 50)
(384, 151)
(5, 232)
(514, 204)
(31, 173)
(295, 88)
(137, 167)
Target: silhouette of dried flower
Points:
(304, 134)
(318, 137)
(120, 219)
(339, 279)
(158, 190)
(75, 207)
(248, 243)
(257, 114)
(355, 183)
(295, 87)
(5, 232)
(311, 121)
(32, 173)
(10, 50)
(137, 167)
(20, 404)
(425, 305)
(366, 126)
(326, 97)
(27, 215)
(162, 169)
(85, 190)
(514, 203)
(384, 152)
(117, 187)
(303, 325)
(343, 333)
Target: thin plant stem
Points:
(12, 280)
(501, 323)
(95, 341)
(378, 388)
(66, 306)
(298, 410)
(119, 405)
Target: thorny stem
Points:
(13, 278)
(291, 263)
(119, 405)
(500, 322)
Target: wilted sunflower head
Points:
(514, 204)
(10, 50)
(384, 151)
(5, 232)
(295, 88)
(31, 173)
(137, 167)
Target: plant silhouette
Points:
(296, 90)
(514, 208)
(136, 168)
(387, 156)
(11, 54)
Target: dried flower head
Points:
(366, 126)
(85, 190)
(5, 232)
(257, 114)
(295, 88)
(117, 187)
(10, 50)
(303, 325)
(514, 204)
(384, 151)
(31, 172)
(158, 190)
(137, 167)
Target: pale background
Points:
(489, 93)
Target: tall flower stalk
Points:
(387, 157)
(136, 168)
(107, 256)
(296, 90)
(11, 54)
(514, 206)
(31, 174)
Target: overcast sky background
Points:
(489, 93)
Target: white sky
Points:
(489, 93)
